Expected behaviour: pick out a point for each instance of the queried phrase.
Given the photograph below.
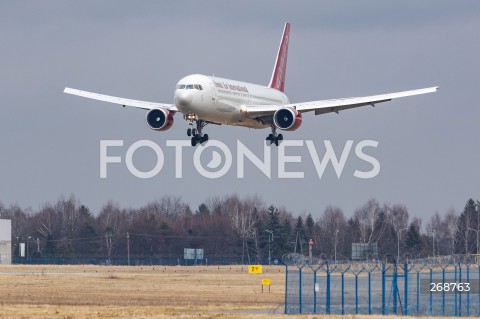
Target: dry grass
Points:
(141, 292)
(162, 292)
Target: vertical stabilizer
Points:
(280, 69)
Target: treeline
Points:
(244, 229)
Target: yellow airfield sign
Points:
(255, 269)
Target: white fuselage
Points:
(220, 100)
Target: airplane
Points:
(207, 100)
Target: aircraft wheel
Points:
(194, 141)
(269, 140)
(189, 132)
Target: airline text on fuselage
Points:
(233, 87)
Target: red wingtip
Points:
(278, 75)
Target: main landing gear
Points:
(196, 133)
(273, 138)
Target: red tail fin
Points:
(278, 75)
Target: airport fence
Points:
(443, 286)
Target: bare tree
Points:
(333, 227)
(464, 238)
(20, 224)
(46, 220)
(214, 205)
(451, 218)
(111, 219)
(68, 214)
(369, 220)
(398, 217)
(168, 208)
(244, 219)
(442, 230)
(173, 207)
(3, 212)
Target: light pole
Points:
(398, 243)
(310, 245)
(128, 248)
(270, 239)
(335, 245)
(18, 247)
(477, 231)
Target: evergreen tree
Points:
(203, 210)
(88, 244)
(285, 235)
(309, 227)
(413, 243)
(299, 236)
(277, 245)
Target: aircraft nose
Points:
(183, 98)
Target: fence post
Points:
(286, 289)
(443, 293)
(431, 296)
(300, 290)
(405, 290)
(455, 294)
(327, 299)
(418, 292)
(356, 293)
(315, 291)
(343, 292)
(383, 289)
(395, 287)
(369, 294)
(468, 292)
(460, 297)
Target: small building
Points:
(5, 241)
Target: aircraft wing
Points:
(122, 101)
(335, 105)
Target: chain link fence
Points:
(442, 286)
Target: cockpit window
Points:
(189, 86)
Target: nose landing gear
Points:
(196, 133)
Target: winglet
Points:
(278, 76)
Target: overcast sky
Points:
(428, 145)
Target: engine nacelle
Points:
(287, 119)
(159, 119)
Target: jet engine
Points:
(159, 119)
(287, 119)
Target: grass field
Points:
(137, 292)
(141, 292)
